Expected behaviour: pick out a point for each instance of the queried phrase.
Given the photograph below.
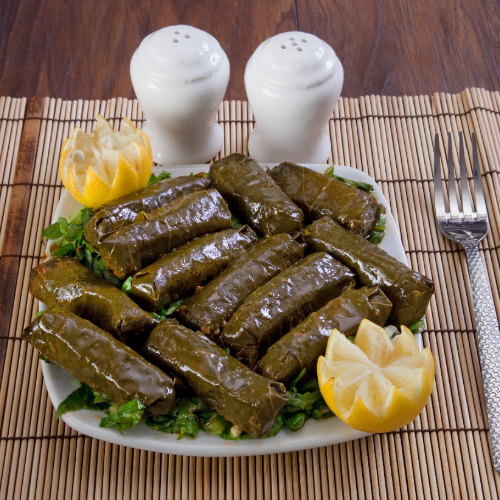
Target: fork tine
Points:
(464, 183)
(452, 192)
(438, 186)
(478, 186)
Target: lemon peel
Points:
(375, 385)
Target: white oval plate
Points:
(315, 433)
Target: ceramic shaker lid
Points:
(294, 60)
(180, 54)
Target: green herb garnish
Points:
(68, 234)
(418, 327)
(173, 306)
(125, 416)
(364, 186)
(70, 242)
(122, 417)
(236, 222)
(296, 421)
(181, 420)
(166, 313)
(379, 229)
(44, 358)
(193, 413)
(127, 286)
(310, 385)
(160, 177)
(83, 398)
(160, 315)
(297, 378)
(303, 401)
(214, 423)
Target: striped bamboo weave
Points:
(443, 454)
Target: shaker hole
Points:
(300, 49)
(175, 40)
(295, 44)
(304, 40)
(176, 32)
(187, 36)
(292, 38)
(283, 46)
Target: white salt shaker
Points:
(293, 82)
(180, 75)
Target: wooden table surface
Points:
(82, 49)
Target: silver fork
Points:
(468, 228)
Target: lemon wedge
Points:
(104, 165)
(375, 385)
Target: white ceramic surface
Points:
(293, 81)
(313, 434)
(180, 75)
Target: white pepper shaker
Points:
(180, 75)
(293, 82)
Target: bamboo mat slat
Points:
(444, 453)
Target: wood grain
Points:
(389, 47)
(82, 50)
(87, 50)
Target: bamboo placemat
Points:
(443, 454)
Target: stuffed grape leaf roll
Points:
(65, 282)
(302, 346)
(409, 291)
(210, 308)
(153, 235)
(282, 303)
(254, 197)
(318, 195)
(180, 272)
(97, 359)
(240, 395)
(121, 212)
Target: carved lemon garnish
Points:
(104, 165)
(375, 385)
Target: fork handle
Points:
(488, 335)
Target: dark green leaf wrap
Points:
(254, 197)
(64, 282)
(409, 291)
(121, 212)
(318, 195)
(301, 347)
(138, 245)
(180, 272)
(97, 359)
(240, 395)
(210, 308)
(282, 303)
